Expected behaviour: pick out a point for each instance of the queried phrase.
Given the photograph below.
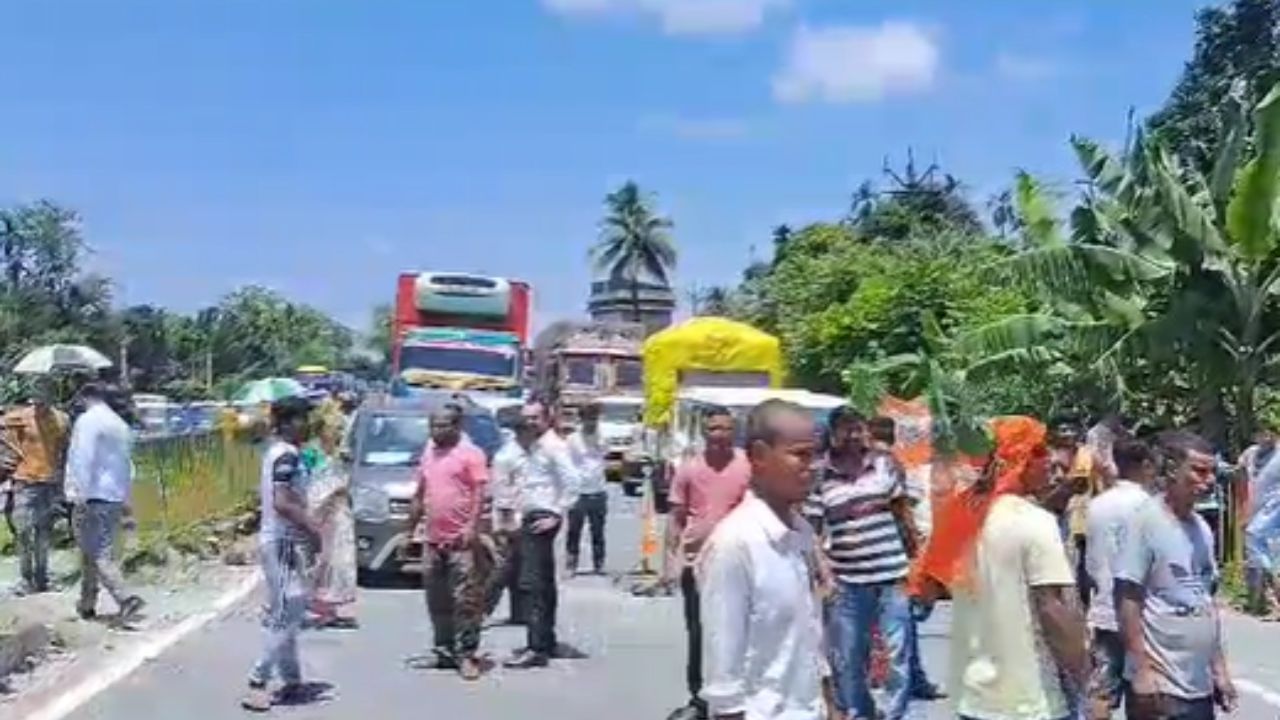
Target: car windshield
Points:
(580, 371)
(630, 374)
(740, 413)
(619, 412)
(398, 440)
(489, 363)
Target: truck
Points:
(460, 331)
(581, 362)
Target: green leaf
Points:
(1102, 170)
(1013, 332)
(1034, 206)
(1227, 163)
(1189, 215)
(1251, 212)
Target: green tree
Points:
(915, 205)
(1177, 270)
(635, 242)
(44, 295)
(379, 339)
(1237, 44)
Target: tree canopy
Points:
(46, 296)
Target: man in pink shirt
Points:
(450, 500)
(705, 488)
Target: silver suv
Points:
(386, 444)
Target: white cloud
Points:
(690, 128)
(1024, 67)
(681, 17)
(843, 64)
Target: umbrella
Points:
(270, 390)
(51, 358)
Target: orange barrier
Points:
(650, 544)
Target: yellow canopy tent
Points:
(705, 344)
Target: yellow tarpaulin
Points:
(704, 344)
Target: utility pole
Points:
(124, 362)
(695, 296)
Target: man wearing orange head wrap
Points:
(1017, 628)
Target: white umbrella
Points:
(51, 358)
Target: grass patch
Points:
(187, 494)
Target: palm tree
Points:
(635, 242)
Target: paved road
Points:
(633, 667)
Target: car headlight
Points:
(370, 503)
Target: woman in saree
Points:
(329, 499)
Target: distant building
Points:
(611, 301)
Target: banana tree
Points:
(1168, 261)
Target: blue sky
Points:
(320, 147)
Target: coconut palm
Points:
(635, 242)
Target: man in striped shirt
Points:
(861, 509)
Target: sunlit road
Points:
(633, 667)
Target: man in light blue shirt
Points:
(99, 481)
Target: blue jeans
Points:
(855, 609)
(919, 679)
(284, 565)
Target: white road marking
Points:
(123, 665)
(1268, 696)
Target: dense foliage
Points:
(45, 297)
(1151, 288)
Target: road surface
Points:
(632, 666)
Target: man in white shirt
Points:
(550, 489)
(510, 465)
(761, 616)
(1108, 516)
(99, 480)
(586, 447)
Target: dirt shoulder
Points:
(63, 655)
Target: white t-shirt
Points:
(1108, 516)
(1001, 668)
(588, 457)
(281, 463)
(510, 465)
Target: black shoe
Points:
(928, 692)
(437, 659)
(526, 659)
(87, 614)
(130, 608)
(695, 710)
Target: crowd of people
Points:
(1081, 576)
(485, 529)
(1082, 579)
(1047, 525)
